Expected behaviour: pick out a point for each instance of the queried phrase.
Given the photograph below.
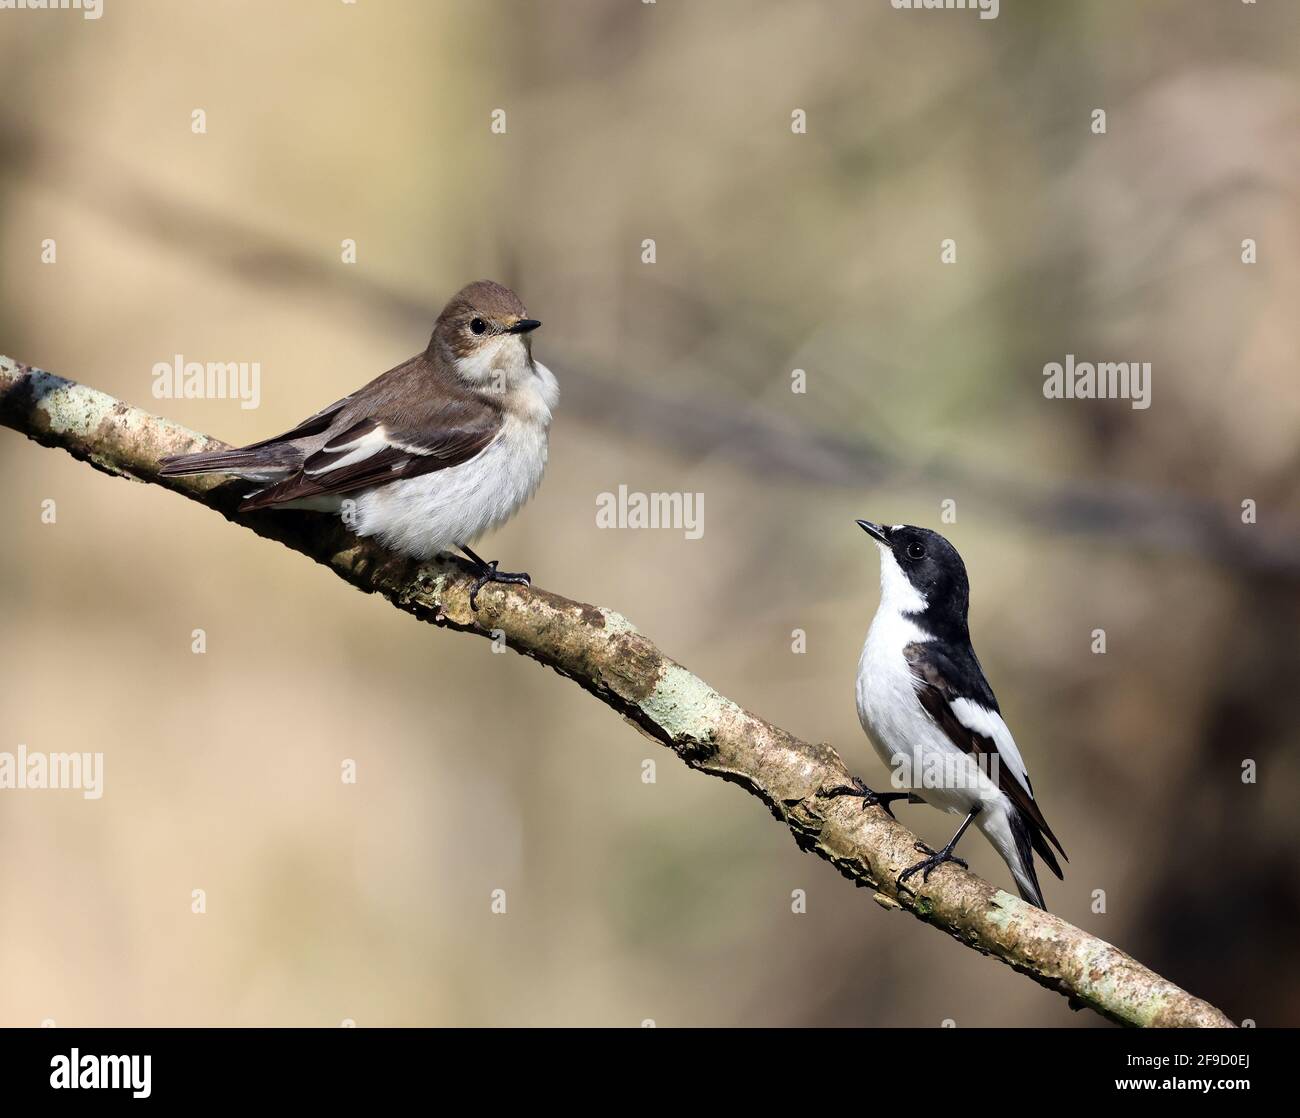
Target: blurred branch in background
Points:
(754, 438)
(605, 655)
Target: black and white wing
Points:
(952, 689)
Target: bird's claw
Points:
(869, 797)
(928, 865)
(489, 573)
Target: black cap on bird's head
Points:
(929, 563)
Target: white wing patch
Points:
(408, 448)
(979, 718)
(358, 450)
(363, 447)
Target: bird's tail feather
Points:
(1045, 851)
(249, 462)
(1028, 839)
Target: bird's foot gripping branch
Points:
(799, 781)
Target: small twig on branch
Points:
(600, 651)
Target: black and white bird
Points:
(931, 715)
(427, 456)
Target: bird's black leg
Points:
(869, 797)
(487, 572)
(937, 858)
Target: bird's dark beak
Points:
(875, 531)
(524, 326)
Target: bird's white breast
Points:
(888, 708)
(907, 739)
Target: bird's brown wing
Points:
(387, 432)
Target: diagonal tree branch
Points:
(602, 652)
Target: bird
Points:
(932, 716)
(429, 455)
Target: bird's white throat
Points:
(897, 594)
(498, 362)
(502, 365)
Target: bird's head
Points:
(919, 570)
(483, 335)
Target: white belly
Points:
(918, 753)
(436, 511)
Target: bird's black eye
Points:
(477, 325)
(915, 551)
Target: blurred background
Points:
(775, 251)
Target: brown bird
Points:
(427, 456)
